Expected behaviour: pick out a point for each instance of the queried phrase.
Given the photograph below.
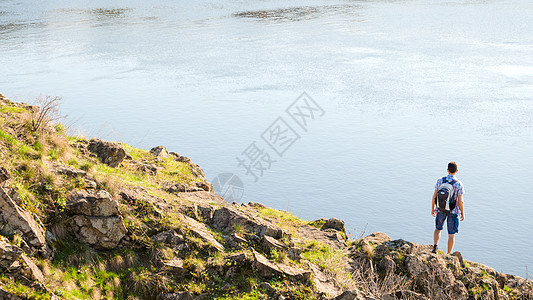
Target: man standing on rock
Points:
(450, 188)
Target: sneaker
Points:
(434, 249)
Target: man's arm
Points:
(433, 204)
(461, 206)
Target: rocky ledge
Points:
(89, 219)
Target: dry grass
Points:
(369, 282)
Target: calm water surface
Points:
(406, 86)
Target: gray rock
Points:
(256, 205)
(235, 241)
(336, 224)
(15, 262)
(110, 153)
(204, 185)
(175, 266)
(200, 230)
(459, 257)
(99, 232)
(269, 243)
(92, 203)
(150, 169)
(388, 265)
(377, 238)
(160, 152)
(268, 269)
(169, 237)
(14, 219)
(69, 171)
(4, 175)
(294, 253)
(176, 188)
(227, 218)
(416, 266)
(238, 258)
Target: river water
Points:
(395, 90)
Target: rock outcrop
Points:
(110, 153)
(96, 219)
(14, 261)
(15, 220)
(269, 269)
(160, 152)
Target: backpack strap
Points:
(443, 179)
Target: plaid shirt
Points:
(457, 187)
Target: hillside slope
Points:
(90, 219)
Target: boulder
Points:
(99, 232)
(110, 153)
(15, 220)
(96, 219)
(160, 152)
(336, 224)
(92, 203)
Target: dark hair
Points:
(452, 167)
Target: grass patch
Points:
(12, 109)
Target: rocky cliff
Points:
(90, 219)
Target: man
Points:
(454, 215)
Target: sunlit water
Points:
(406, 86)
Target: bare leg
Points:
(451, 242)
(436, 237)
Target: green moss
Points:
(318, 223)
(11, 109)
